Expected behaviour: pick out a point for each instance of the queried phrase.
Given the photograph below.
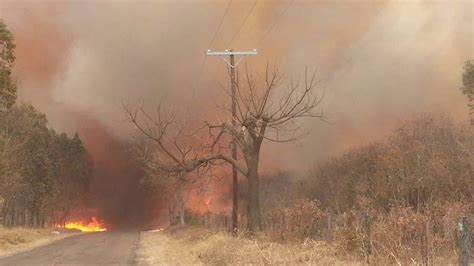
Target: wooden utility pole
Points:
(233, 85)
(235, 180)
(464, 242)
(366, 237)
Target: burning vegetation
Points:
(93, 226)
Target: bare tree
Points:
(173, 185)
(264, 112)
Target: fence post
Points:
(329, 227)
(366, 241)
(464, 241)
(426, 244)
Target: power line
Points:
(220, 23)
(203, 63)
(274, 23)
(217, 31)
(243, 23)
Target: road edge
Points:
(36, 244)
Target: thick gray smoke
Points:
(379, 62)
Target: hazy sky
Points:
(380, 61)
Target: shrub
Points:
(302, 219)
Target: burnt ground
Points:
(105, 248)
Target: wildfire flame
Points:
(93, 226)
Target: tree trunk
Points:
(472, 141)
(181, 214)
(12, 214)
(5, 212)
(171, 215)
(254, 212)
(179, 205)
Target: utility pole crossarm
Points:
(227, 52)
(232, 53)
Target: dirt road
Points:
(107, 248)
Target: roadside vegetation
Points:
(198, 245)
(397, 201)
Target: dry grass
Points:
(193, 245)
(17, 239)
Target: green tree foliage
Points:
(468, 80)
(43, 175)
(468, 86)
(72, 170)
(26, 165)
(7, 57)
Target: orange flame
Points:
(93, 226)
